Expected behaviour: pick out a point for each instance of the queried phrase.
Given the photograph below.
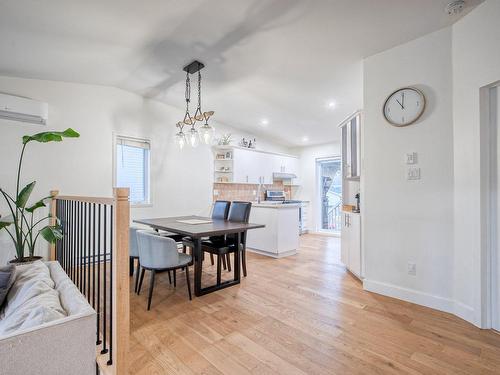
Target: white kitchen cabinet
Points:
(248, 166)
(351, 148)
(350, 251)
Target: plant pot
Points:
(25, 260)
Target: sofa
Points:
(46, 324)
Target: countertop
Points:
(276, 205)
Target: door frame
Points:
(490, 214)
(319, 208)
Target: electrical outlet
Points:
(216, 192)
(413, 173)
(254, 192)
(411, 158)
(412, 269)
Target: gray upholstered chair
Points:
(159, 254)
(133, 252)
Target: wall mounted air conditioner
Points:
(16, 108)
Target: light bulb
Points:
(194, 138)
(207, 134)
(180, 140)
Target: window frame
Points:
(116, 142)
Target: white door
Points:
(345, 240)
(245, 167)
(355, 244)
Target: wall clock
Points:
(404, 106)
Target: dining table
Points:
(198, 228)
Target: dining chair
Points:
(133, 253)
(159, 254)
(240, 213)
(220, 210)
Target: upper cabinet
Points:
(247, 166)
(351, 148)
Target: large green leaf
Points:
(51, 233)
(24, 195)
(51, 136)
(4, 224)
(37, 205)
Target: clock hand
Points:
(403, 99)
(400, 104)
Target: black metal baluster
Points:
(110, 361)
(80, 235)
(72, 247)
(104, 280)
(98, 341)
(65, 235)
(89, 244)
(84, 249)
(93, 254)
(58, 243)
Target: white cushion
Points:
(32, 299)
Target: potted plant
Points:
(21, 225)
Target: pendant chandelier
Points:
(192, 136)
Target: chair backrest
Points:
(156, 251)
(240, 212)
(133, 247)
(220, 209)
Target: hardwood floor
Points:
(300, 315)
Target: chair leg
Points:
(188, 282)
(184, 249)
(212, 259)
(219, 269)
(131, 266)
(169, 277)
(140, 281)
(175, 278)
(228, 257)
(244, 260)
(151, 286)
(137, 272)
(223, 261)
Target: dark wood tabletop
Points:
(215, 228)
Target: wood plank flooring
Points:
(300, 315)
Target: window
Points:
(132, 168)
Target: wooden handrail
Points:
(120, 274)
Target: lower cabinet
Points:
(351, 242)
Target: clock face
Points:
(404, 106)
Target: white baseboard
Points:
(448, 305)
(410, 295)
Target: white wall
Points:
(181, 181)
(476, 63)
(308, 190)
(409, 221)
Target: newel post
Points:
(121, 281)
(53, 220)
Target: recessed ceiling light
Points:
(264, 122)
(305, 139)
(331, 104)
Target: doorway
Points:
(330, 194)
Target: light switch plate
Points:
(216, 192)
(412, 269)
(411, 158)
(413, 173)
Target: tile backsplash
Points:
(246, 192)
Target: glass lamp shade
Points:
(207, 134)
(180, 140)
(194, 138)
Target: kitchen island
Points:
(280, 237)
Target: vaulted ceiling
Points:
(289, 70)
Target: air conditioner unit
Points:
(16, 108)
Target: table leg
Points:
(237, 255)
(198, 265)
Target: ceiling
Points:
(287, 70)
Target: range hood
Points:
(280, 176)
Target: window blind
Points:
(132, 167)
